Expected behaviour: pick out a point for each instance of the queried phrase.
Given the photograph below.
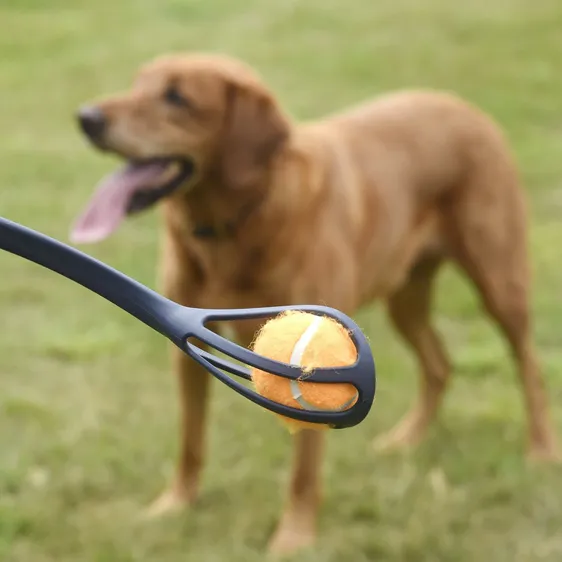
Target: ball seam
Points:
(296, 360)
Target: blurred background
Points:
(88, 411)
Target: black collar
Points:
(207, 231)
(227, 229)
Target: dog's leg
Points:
(182, 282)
(193, 391)
(297, 527)
(491, 248)
(409, 309)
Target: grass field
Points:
(88, 412)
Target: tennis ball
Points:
(310, 342)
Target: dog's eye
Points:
(173, 97)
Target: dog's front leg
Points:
(297, 527)
(193, 390)
(183, 281)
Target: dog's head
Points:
(185, 119)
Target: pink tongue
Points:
(108, 206)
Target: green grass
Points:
(88, 412)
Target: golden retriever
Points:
(365, 204)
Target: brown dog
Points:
(365, 204)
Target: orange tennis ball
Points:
(310, 342)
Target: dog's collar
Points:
(227, 229)
(209, 231)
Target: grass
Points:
(88, 412)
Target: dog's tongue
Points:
(108, 206)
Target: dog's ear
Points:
(254, 130)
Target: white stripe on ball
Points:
(296, 359)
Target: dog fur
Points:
(361, 205)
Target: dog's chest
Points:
(236, 276)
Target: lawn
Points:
(88, 412)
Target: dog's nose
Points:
(92, 121)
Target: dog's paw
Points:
(290, 539)
(395, 441)
(540, 453)
(168, 503)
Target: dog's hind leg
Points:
(409, 310)
(487, 227)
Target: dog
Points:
(362, 205)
